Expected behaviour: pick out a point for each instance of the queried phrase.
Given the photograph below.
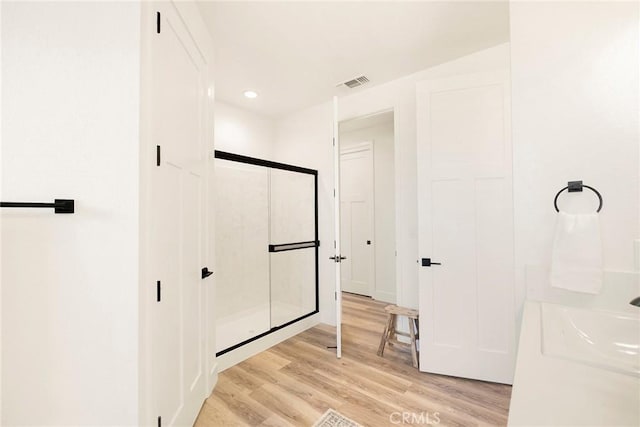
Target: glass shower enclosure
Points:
(266, 237)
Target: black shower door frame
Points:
(224, 155)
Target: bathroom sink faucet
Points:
(635, 301)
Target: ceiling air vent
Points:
(355, 82)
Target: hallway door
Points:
(356, 216)
(465, 208)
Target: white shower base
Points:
(246, 324)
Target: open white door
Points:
(465, 206)
(337, 258)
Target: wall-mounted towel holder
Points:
(574, 187)
(60, 206)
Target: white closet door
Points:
(466, 224)
(178, 209)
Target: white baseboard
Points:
(213, 377)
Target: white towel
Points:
(576, 260)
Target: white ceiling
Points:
(294, 53)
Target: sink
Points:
(601, 339)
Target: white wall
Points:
(400, 95)
(1, 198)
(384, 239)
(70, 107)
(243, 132)
(304, 138)
(575, 78)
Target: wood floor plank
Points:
(294, 382)
(215, 412)
(275, 421)
(240, 403)
(290, 407)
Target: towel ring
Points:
(576, 186)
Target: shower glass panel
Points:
(292, 207)
(291, 295)
(293, 231)
(266, 247)
(242, 264)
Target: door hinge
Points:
(334, 192)
(158, 291)
(159, 421)
(334, 142)
(335, 295)
(158, 22)
(158, 155)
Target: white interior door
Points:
(178, 210)
(465, 207)
(356, 215)
(337, 258)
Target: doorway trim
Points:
(391, 106)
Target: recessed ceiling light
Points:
(250, 94)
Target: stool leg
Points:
(392, 329)
(417, 338)
(385, 336)
(412, 333)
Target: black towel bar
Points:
(60, 206)
(573, 187)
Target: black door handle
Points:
(426, 262)
(337, 258)
(206, 273)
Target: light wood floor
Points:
(296, 381)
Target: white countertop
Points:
(556, 392)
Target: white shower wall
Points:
(242, 262)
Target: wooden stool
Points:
(390, 331)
